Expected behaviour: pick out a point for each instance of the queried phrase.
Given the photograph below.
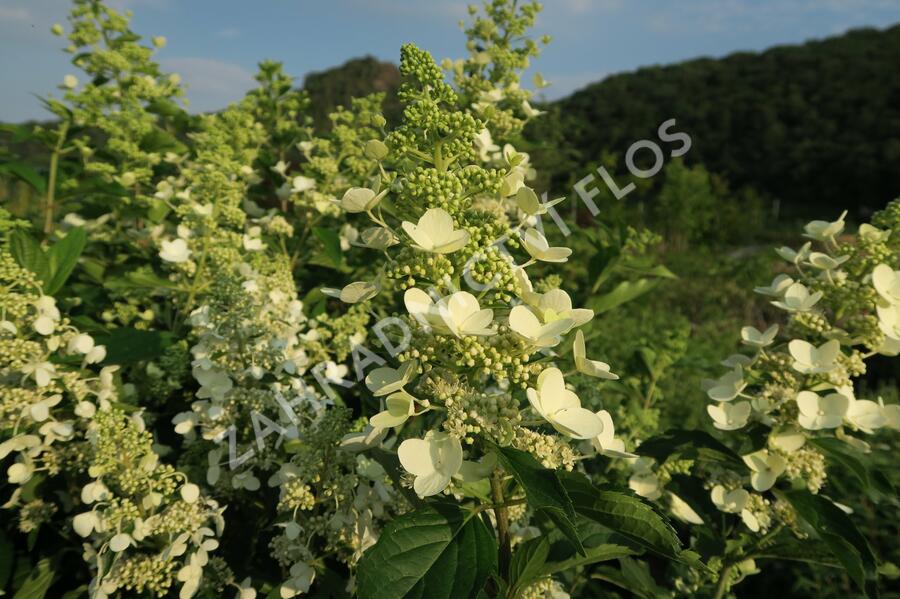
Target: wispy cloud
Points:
(406, 8)
(212, 84)
(14, 13)
(582, 7)
(229, 33)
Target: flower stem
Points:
(722, 585)
(49, 204)
(501, 513)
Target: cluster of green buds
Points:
(467, 359)
(489, 78)
(126, 99)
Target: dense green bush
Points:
(242, 355)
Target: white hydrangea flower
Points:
(795, 257)
(606, 443)
(524, 322)
(823, 230)
(302, 576)
(556, 305)
(562, 408)
(399, 407)
(386, 380)
(485, 145)
(887, 283)
(826, 262)
(726, 387)
(434, 232)
(865, 415)
(433, 460)
(539, 248)
(753, 337)
(358, 291)
(809, 359)
(594, 368)
(797, 298)
(646, 484)
(175, 251)
(777, 288)
(529, 203)
(462, 315)
(301, 184)
(47, 315)
(730, 502)
(729, 416)
(765, 469)
(817, 412)
(681, 510)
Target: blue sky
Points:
(215, 44)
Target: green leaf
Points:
(543, 490)
(440, 552)
(29, 255)
(332, 242)
(808, 551)
(690, 445)
(37, 583)
(127, 345)
(842, 537)
(593, 555)
(27, 174)
(623, 512)
(854, 462)
(624, 292)
(63, 257)
(528, 561)
(7, 558)
(141, 279)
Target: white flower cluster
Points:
(797, 381)
(54, 405)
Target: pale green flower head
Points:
(809, 359)
(562, 408)
(817, 412)
(435, 232)
(433, 460)
(730, 416)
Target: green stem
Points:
(50, 203)
(722, 585)
(501, 513)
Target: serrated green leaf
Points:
(593, 555)
(623, 512)
(62, 258)
(808, 551)
(686, 444)
(842, 537)
(439, 552)
(543, 490)
(528, 562)
(29, 255)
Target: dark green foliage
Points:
(815, 125)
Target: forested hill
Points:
(814, 124)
